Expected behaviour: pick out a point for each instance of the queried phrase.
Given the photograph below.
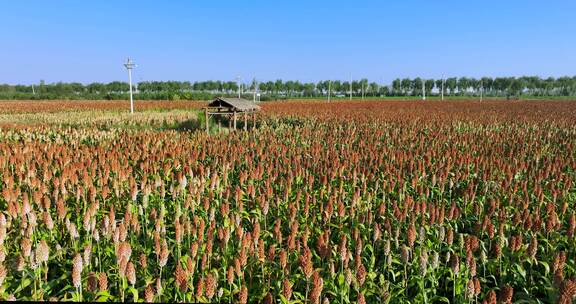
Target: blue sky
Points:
(87, 41)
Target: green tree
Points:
(396, 86)
(406, 86)
(451, 85)
(373, 88)
(429, 86)
(463, 85)
(416, 86)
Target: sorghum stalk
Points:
(307, 286)
(423, 268)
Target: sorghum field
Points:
(348, 202)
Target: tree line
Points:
(453, 86)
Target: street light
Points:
(239, 86)
(350, 86)
(442, 90)
(329, 87)
(423, 89)
(129, 65)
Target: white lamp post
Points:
(329, 87)
(239, 87)
(423, 89)
(129, 66)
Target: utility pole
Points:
(33, 92)
(329, 87)
(255, 86)
(442, 93)
(350, 87)
(129, 66)
(239, 84)
(481, 90)
(423, 89)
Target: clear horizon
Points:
(72, 41)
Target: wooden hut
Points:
(232, 108)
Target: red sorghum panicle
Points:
(405, 255)
(506, 294)
(92, 282)
(361, 299)
(238, 267)
(317, 285)
(243, 295)
(455, 264)
(306, 262)
(559, 261)
(163, 259)
(360, 274)
(435, 260)
(200, 288)
(42, 252)
(423, 262)
(490, 298)
(348, 277)
(181, 279)
(497, 250)
(471, 264)
(533, 247)
(3, 273)
(470, 289)
(102, 281)
(230, 275)
(411, 236)
(143, 261)
(158, 285)
(450, 237)
(477, 287)
(387, 247)
(210, 286)
(567, 291)
(287, 289)
(283, 259)
(131, 273)
(87, 254)
(77, 270)
(342, 249)
(26, 246)
(149, 293)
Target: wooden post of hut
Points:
(231, 108)
(245, 121)
(206, 118)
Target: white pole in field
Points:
(33, 92)
(423, 90)
(350, 87)
(239, 88)
(255, 86)
(129, 66)
(481, 90)
(442, 88)
(329, 87)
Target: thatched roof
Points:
(234, 104)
